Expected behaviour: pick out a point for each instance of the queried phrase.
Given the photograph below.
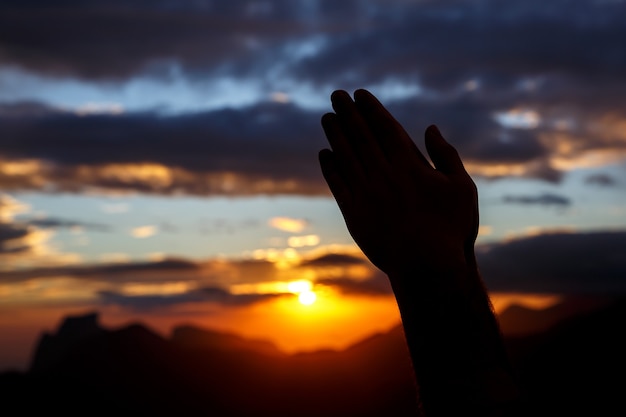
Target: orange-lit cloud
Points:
(302, 241)
(288, 224)
(10, 207)
(485, 230)
(24, 245)
(143, 232)
(502, 301)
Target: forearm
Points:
(454, 340)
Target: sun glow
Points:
(304, 289)
(307, 298)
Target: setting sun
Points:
(304, 289)
(307, 298)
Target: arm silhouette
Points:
(418, 224)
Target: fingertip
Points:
(445, 157)
(433, 131)
(327, 118)
(324, 154)
(361, 94)
(339, 95)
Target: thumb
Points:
(444, 156)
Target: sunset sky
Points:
(158, 158)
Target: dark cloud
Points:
(443, 44)
(158, 271)
(57, 223)
(602, 180)
(268, 148)
(440, 43)
(577, 263)
(553, 263)
(376, 285)
(116, 39)
(204, 295)
(14, 239)
(472, 60)
(335, 259)
(546, 199)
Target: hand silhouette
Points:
(418, 224)
(403, 213)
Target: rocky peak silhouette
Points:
(52, 348)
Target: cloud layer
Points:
(555, 263)
(525, 89)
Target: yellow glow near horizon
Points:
(304, 289)
(307, 298)
(300, 286)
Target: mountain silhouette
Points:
(518, 320)
(573, 368)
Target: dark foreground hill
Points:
(576, 368)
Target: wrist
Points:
(434, 276)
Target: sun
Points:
(304, 289)
(307, 298)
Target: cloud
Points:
(377, 285)
(492, 81)
(203, 295)
(335, 259)
(143, 232)
(288, 224)
(75, 37)
(302, 241)
(57, 223)
(24, 244)
(546, 199)
(10, 207)
(16, 239)
(254, 150)
(558, 263)
(223, 152)
(602, 180)
(163, 270)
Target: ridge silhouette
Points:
(567, 369)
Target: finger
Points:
(358, 133)
(350, 167)
(444, 156)
(337, 184)
(391, 136)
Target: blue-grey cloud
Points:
(546, 199)
(214, 295)
(58, 223)
(468, 60)
(378, 284)
(158, 271)
(602, 180)
(268, 147)
(576, 263)
(14, 239)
